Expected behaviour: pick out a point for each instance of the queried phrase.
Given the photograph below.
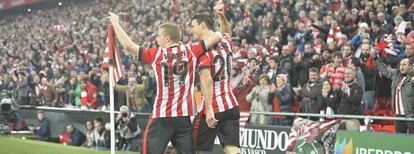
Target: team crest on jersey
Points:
(181, 67)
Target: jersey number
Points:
(219, 75)
(180, 68)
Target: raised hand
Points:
(219, 8)
(113, 18)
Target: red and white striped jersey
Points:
(219, 61)
(174, 72)
(335, 75)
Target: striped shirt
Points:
(174, 73)
(335, 75)
(219, 61)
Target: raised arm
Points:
(224, 24)
(121, 35)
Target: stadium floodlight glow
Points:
(29, 10)
(60, 3)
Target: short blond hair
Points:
(172, 30)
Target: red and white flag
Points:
(112, 55)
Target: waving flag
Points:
(309, 136)
(112, 55)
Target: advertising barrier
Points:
(264, 139)
(373, 143)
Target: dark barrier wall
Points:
(59, 118)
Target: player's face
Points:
(196, 30)
(161, 38)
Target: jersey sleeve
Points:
(147, 55)
(204, 62)
(197, 48)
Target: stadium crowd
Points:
(310, 56)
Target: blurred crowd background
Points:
(52, 56)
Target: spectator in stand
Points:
(286, 63)
(75, 91)
(309, 93)
(134, 94)
(253, 69)
(103, 92)
(48, 93)
(402, 92)
(259, 100)
(89, 134)
(284, 95)
(242, 90)
(43, 130)
(274, 69)
(326, 57)
(334, 72)
(23, 89)
(355, 63)
(76, 137)
(34, 94)
(351, 98)
(88, 93)
(347, 55)
(101, 137)
(370, 73)
(329, 98)
(409, 51)
(304, 63)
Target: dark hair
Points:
(327, 49)
(337, 54)
(377, 23)
(86, 124)
(321, 36)
(205, 18)
(99, 119)
(356, 61)
(348, 45)
(327, 80)
(252, 59)
(274, 58)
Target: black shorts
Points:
(227, 129)
(160, 131)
